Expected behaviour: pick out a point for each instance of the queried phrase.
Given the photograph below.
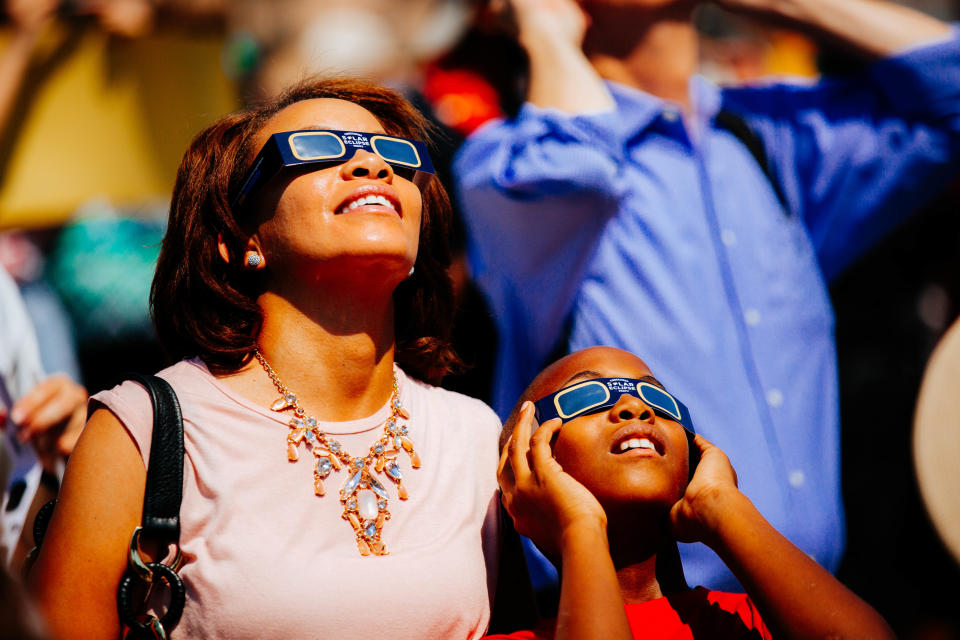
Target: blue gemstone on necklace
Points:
(324, 467)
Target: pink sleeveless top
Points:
(265, 557)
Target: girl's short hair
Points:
(203, 306)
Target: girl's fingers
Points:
(540, 449)
(520, 442)
(702, 443)
(505, 476)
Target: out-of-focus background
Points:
(99, 98)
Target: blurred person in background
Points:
(41, 418)
(632, 203)
(308, 303)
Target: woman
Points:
(292, 283)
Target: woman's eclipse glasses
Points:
(598, 394)
(409, 158)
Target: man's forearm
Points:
(875, 27)
(561, 77)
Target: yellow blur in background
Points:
(111, 120)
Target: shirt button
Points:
(774, 398)
(727, 237)
(752, 316)
(796, 478)
(670, 115)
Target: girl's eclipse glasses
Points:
(409, 158)
(598, 394)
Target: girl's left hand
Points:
(693, 518)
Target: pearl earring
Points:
(254, 260)
(410, 273)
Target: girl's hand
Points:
(694, 517)
(543, 500)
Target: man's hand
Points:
(693, 517)
(543, 500)
(31, 16)
(50, 416)
(876, 28)
(559, 20)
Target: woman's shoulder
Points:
(130, 402)
(466, 407)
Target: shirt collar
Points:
(637, 109)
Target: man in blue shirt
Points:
(625, 205)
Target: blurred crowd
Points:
(99, 97)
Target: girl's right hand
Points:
(543, 500)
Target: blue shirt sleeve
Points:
(536, 192)
(856, 156)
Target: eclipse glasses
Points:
(598, 394)
(409, 158)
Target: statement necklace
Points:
(364, 498)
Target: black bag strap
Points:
(160, 520)
(164, 490)
(754, 144)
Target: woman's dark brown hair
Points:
(203, 306)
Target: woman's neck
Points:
(654, 50)
(333, 349)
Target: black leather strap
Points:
(754, 144)
(164, 491)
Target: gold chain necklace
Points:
(364, 498)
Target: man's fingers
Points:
(51, 404)
(23, 409)
(68, 439)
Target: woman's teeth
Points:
(637, 443)
(359, 202)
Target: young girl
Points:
(605, 484)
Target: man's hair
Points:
(203, 306)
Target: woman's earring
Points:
(254, 260)
(410, 273)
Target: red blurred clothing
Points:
(696, 614)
